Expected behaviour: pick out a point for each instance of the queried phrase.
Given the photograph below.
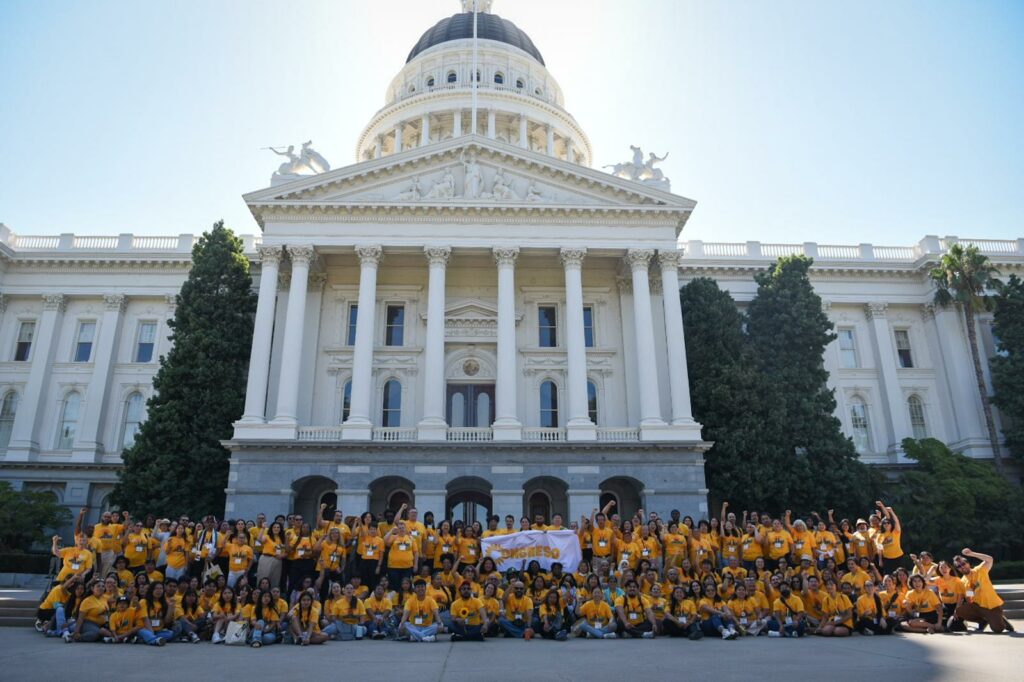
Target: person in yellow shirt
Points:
(107, 533)
(862, 542)
(77, 560)
(138, 546)
(301, 560)
(403, 554)
(518, 619)
(872, 617)
(837, 613)
(628, 550)
(370, 552)
(55, 600)
(469, 548)
(176, 549)
(379, 613)
(681, 618)
(239, 558)
(981, 603)
(421, 620)
(469, 617)
(855, 575)
(788, 616)
(91, 623)
(887, 540)
(715, 617)
(602, 536)
(951, 589)
(330, 565)
(154, 616)
(122, 621)
(779, 542)
(634, 612)
(191, 617)
(347, 616)
(304, 621)
(274, 544)
(744, 612)
(264, 619)
(224, 609)
(922, 608)
(550, 620)
(596, 619)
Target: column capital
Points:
(572, 258)
(928, 312)
(284, 279)
(505, 255)
(370, 254)
(55, 302)
(625, 285)
(638, 259)
(172, 302)
(116, 302)
(317, 280)
(270, 254)
(669, 260)
(875, 310)
(302, 254)
(437, 255)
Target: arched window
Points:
(548, 404)
(519, 83)
(134, 413)
(8, 409)
(499, 78)
(917, 422)
(592, 401)
(391, 414)
(859, 422)
(430, 81)
(452, 77)
(346, 401)
(477, 77)
(68, 421)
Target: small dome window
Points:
(430, 82)
(478, 76)
(452, 77)
(412, 88)
(499, 78)
(519, 83)
(538, 92)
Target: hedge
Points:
(24, 563)
(1007, 570)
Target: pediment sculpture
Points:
(307, 162)
(639, 170)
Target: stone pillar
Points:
(433, 425)
(431, 500)
(643, 326)
(262, 337)
(578, 425)
(678, 374)
(425, 130)
(951, 332)
(353, 501)
(457, 123)
(581, 503)
(291, 347)
(492, 130)
(506, 424)
(524, 141)
(504, 502)
(894, 409)
(359, 426)
(568, 149)
(378, 148)
(551, 141)
(89, 446)
(24, 444)
(398, 137)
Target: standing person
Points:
(330, 553)
(176, 548)
(239, 555)
(301, 561)
(205, 545)
(420, 617)
(91, 623)
(887, 541)
(871, 613)
(370, 553)
(982, 605)
(274, 547)
(602, 536)
(403, 557)
(469, 618)
(107, 534)
(77, 560)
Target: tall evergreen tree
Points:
(1008, 366)
(814, 464)
(177, 464)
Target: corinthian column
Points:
(506, 424)
(678, 374)
(433, 425)
(262, 336)
(294, 325)
(643, 325)
(578, 426)
(359, 426)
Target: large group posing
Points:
(403, 577)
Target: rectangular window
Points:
(906, 360)
(847, 349)
(394, 330)
(547, 326)
(83, 346)
(353, 313)
(147, 341)
(24, 347)
(588, 326)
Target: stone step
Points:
(17, 621)
(1014, 614)
(18, 604)
(24, 612)
(1010, 594)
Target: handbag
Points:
(237, 633)
(212, 572)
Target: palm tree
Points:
(963, 277)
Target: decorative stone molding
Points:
(505, 255)
(270, 254)
(116, 302)
(437, 255)
(172, 302)
(301, 255)
(638, 259)
(875, 310)
(284, 280)
(826, 306)
(669, 260)
(463, 328)
(928, 312)
(572, 258)
(370, 255)
(317, 280)
(625, 285)
(656, 283)
(56, 302)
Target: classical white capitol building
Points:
(470, 317)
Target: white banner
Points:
(546, 546)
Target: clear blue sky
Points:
(839, 122)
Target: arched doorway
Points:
(546, 496)
(468, 500)
(626, 492)
(390, 492)
(309, 493)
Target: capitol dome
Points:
(518, 101)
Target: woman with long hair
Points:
(304, 621)
(922, 608)
(155, 616)
(950, 587)
(681, 615)
(347, 616)
(225, 610)
(550, 623)
(91, 622)
(192, 619)
(264, 619)
(176, 548)
(872, 616)
(837, 613)
(274, 549)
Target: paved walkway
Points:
(25, 655)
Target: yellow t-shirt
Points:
(420, 612)
(94, 609)
(890, 544)
(76, 561)
(272, 547)
(866, 607)
(58, 595)
(629, 552)
(597, 614)
(176, 550)
(834, 605)
(921, 601)
(446, 544)
(151, 619)
(978, 586)
(469, 550)
(750, 548)
(331, 555)
(343, 609)
(372, 548)
(517, 609)
(744, 609)
(138, 548)
(109, 536)
(951, 589)
(857, 579)
(468, 609)
(380, 606)
(795, 604)
(602, 539)
(815, 603)
(730, 545)
(306, 618)
(634, 607)
(122, 622)
(780, 542)
(302, 550)
(676, 545)
(401, 551)
(240, 557)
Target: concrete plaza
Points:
(26, 655)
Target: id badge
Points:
(154, 623)
(76, 565)
(402, 546)
(238, 561)
(743, 620)
(418, 620)
(789, 620)
(602, 543)
(633, 616)
(598, 623)
(139, 549)
(369, 551)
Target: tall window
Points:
(24, 347)
(346, 401)
(8, 410)
(859, 422)
(499, 78)
(394, 330)
(83, 344)
(592, 401)
(548, 404)
(134, 412)
(452, 77)
(68, 421)
(917, 421)
(430, 82)
(146, 343)
(588, 326)
(906, 360)
(350, 336)
(392, 408)
(547, 326)
(847, 349)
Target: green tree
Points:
(814, 464)
(963, 278)
(1008, 367)
(949, 501)
(28, 517)
(177, 465)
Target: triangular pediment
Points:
(472, 172)
(472, 308)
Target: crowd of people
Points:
(402, 577)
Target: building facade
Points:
(470, 318)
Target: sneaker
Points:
(868, 632)
(160, 641)
(528, 634)
(696, 635)
(256, 644)
(430, 638)
(67, 637)
(108, 640)
(648, 635)
(40, 625)
(217, 638)
(774, 633)
(561, 635)
(726, 634)
(610, 635)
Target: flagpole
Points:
(473, 76)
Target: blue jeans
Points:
(150, 637)
(473, 632)
(514, 628)
(712, 626)
(384, 626)
(259, 635)
(60, 623)
(597, 632)
(418, 632)
(796, 627)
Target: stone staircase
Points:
(1013, 607)
(18, 607)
